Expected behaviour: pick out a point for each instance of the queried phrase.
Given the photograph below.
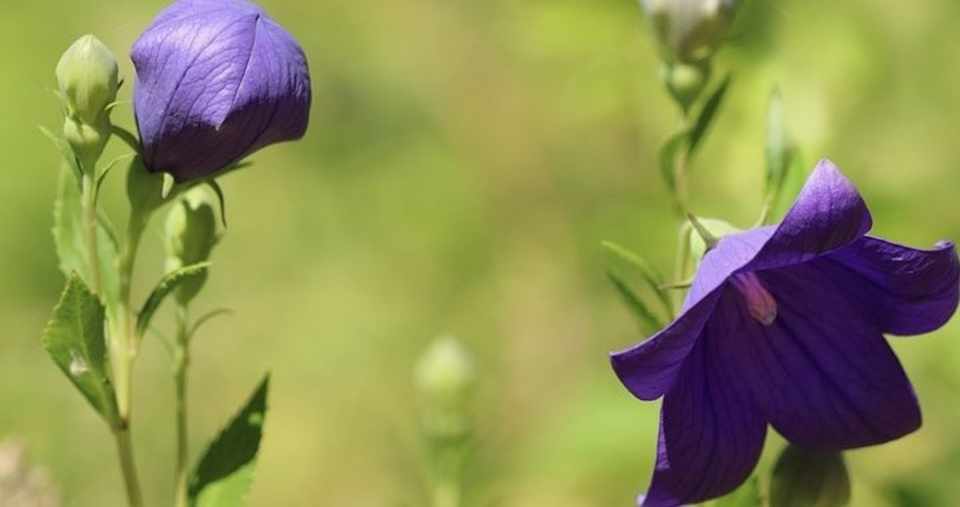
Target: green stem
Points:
(89, 203)
(128, 467)
(123, 351)
(181, 363)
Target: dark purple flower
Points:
(784, 326)
(216, 81)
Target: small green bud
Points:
(88, 77)
(190, 235)
(685, 82)
(87, 141)
(144, 188)
(444, 379)
(805, 478)
(690, 30)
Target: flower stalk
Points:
(181, 361)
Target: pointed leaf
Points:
(668, 158)
(225, 473)
(66, 152)
(75, 340)
(223, 200)
(207, 317)
(707, 115)
(777, 150)
(648, 320)
(793, 181)
(650, 276)
(164, 288)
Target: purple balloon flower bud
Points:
(216, 81)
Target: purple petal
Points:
(828, 214)
(216, 81)
(822, 371)
(911, 291)
(711, 432)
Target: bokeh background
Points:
(465, 161)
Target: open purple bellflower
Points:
(784, 325)
(216, 81)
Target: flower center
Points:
(760, 303)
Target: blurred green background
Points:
(464, 162)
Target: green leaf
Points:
(225, 473)
(75, 340)
(66, 152)
(126, 136)
(668, 158)
(794, 179)
(747, 495)
(71, 243)
(207, 317)
(164, 288)
(650, 276)
(647, 318)
(222, 198)
(707, 114)
(805, 478)
(777, 150)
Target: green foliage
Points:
(75, 340)
(668, 158)
(221, 198)
(707, 114)
(785, 172)
(747, 495)
(164, 288)
(647, 318)
(68, 237)
(225, 473)
(805, 478)
(650, 276)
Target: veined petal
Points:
(911, 291)
(828, 214)
(711, 432)
(648, 369)
(822, 371)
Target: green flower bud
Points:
(690, 30)
(144, 188)
(444, 379)
(190, 235)
(88, 77)
(686, 82)
(87, 141)
(805, 478)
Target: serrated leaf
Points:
(668, 158)
(225, 473)
(747, 495)
(650, 276)
(71, 243)
(707, 115)
(647, 318)
(75, 340)
(164, 288)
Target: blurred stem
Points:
(680, 171)
(181, 362)
(128, 467)
(446, 494)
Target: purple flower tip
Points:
(784, 326)
(216, 81)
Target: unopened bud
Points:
(804, 478)
(190, 235)
(88, 77)
(690, 30)
(144, 188)
(445, 378)
(686, 81)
